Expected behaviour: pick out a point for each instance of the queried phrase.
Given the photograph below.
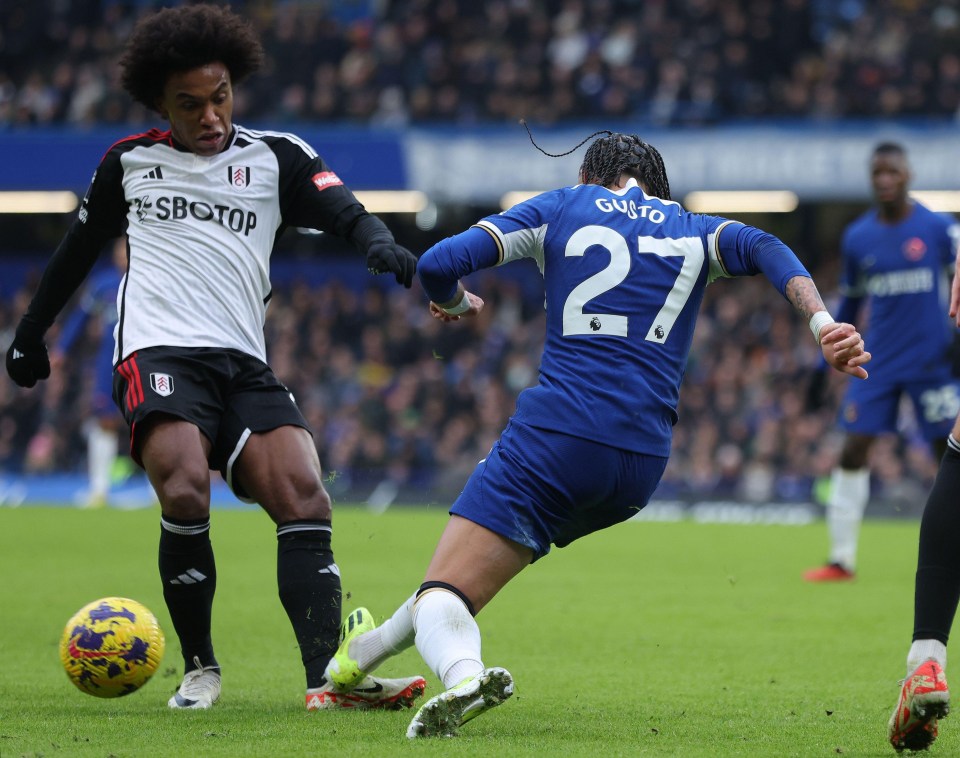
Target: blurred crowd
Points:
(403, 62)
(403, 406)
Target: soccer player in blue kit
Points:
(897, 257)
(625, 270)
(98, 301)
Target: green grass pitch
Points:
(660, 639)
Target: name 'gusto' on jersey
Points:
(631, 209)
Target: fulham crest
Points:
(162, 384)
(238, 177)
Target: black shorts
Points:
(228, 394)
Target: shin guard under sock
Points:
(937, 590)
(189, 576)
(309, 586)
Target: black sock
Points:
(189, 577)
(309, 584)
(938, 565)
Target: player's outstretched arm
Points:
(384, 255)
(843, 349)
(462, 304)
(441, 267)
(841, 343)
(804, 296)
(955, 292)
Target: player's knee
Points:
(182, 482)
(853, 459)
(855, 450)
(315, 506)
(450, 588)
(299, 497)
(184, 493)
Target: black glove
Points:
(383, 257)
(27, 360)
(816, 391)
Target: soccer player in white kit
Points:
(201, 204)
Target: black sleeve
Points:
(313, 196)
(100, 219)
(368, 229)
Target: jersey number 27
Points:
(576, 321)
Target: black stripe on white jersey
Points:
(255, 135)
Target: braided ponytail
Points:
(614, 154)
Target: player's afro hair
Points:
(183, 38)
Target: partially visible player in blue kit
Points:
(625, 270)
(98, 301)
(897, 259)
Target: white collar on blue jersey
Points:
(631, 183)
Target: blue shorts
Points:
(538, 487)
(871, 407)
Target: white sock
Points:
(101, 453)
(849, 493)
(393, 636)
(447, 636)
(922, 650)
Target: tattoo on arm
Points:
(803, 295)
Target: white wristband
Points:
(462, 307)
(817, 321)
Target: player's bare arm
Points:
(843, 349)
(803, 295)
(842, 344)
(955, 292)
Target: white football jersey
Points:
(201, 231)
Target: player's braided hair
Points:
(617, 153)
(183, 38)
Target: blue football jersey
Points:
(903, 271)
(624, 278)
(98, 300)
